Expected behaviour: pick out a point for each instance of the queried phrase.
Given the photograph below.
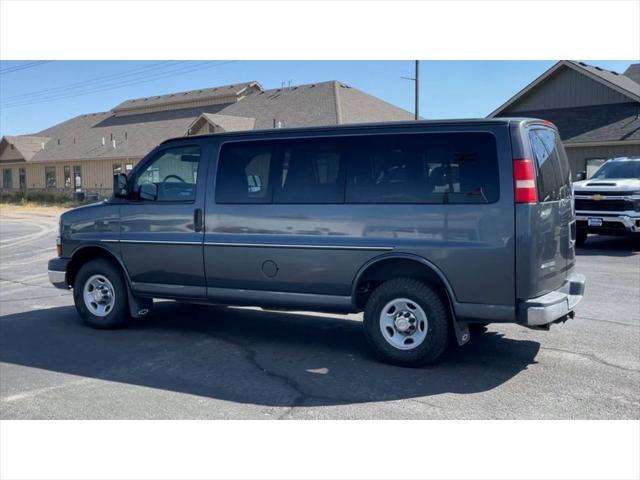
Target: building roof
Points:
(27, 145)
(172, 101)
(129, 132)
(618, 122)
(621, 83)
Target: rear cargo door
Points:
(554, 245)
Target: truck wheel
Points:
(406, 322)
(581, 237)
(100, 295)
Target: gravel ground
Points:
(191, 361)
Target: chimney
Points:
(633, 72)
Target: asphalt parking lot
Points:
(189, 361)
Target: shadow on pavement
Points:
(251, 356)
(623, 246)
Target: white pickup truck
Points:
(609, 202)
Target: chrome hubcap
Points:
(403, 324)
(99, 295)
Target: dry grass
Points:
(32, 209)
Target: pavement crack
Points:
(609, 321)
(592, 357)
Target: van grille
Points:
(603, 205)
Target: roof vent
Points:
(42, 146)
(583, 64)
(103, 141)
(599, 69)
(113, 143)
(58, 141)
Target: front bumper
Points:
(623, 222)
(553, 306)
(58, 272)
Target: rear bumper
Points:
(58, 272)
(553, 306)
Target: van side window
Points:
(243, 173)
(553, 181)
(174, 173)
(424, 168)
(312, 172)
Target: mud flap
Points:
(138, 307)
(461, 330)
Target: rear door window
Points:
(554, 182)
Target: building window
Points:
(592, 165)
(117, 168)
(50, 177)
(77, 177)
(22, 172)
(67, 177)
(7, 180)
(128, 167)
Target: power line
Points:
(24, 66)
(182, 71)
(94, 80)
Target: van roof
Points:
(355, 126)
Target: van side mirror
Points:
(581, 175)
(148, 191)
(120, 185)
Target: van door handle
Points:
(197, 220)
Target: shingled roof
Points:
(130, 132)
(619, 82)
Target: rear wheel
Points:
(581, 237)
(406, 322)
(100, 295)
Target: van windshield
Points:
(619, 169)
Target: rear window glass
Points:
(554, 176)
(424, 168)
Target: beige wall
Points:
(96, 174)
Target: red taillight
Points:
(524, 181)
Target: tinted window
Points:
(553, 167)
(174, 171)
(243, 173)
(312, 171)
(7, 181)
(50, 177)
(424, 168)
(619, 169)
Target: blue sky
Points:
(64, 89)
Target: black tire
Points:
(437, 328)
(118, 314)
(581, 237)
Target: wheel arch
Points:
(397, 265)
(85, 254)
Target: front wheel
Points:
(581, 237)
(100, 295)
(406, 322)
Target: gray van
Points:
(427, 227)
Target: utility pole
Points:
(417, 89)
(416, 79)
